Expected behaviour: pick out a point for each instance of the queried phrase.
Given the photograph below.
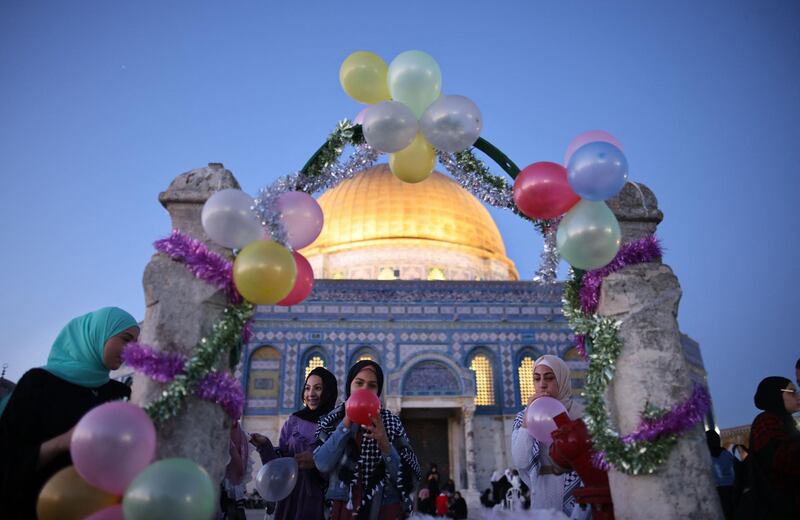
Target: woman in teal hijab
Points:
(37, 422)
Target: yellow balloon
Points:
(363, 77)
(264, 272)
(66, 496)
(414, 162)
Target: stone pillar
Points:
(180, 310)
(469, 446)
(652, 369)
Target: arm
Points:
(327, 456)
(50, 449)
(264, 447)
(525, 451)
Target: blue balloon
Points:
(597, 171)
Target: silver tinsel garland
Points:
(549, 258)
(488, 193)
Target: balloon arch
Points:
(410, 119)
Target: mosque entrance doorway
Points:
(429, 432)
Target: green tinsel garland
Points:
(226, 332)
(635, 458)
(345, 133)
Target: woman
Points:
(237, 475)
(775, 449)
(722, 465)
(372, 469)
(432, 480)
(551, 486)
(37, 423)
(297, 440)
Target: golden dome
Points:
(374, 209)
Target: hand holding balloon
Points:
(376, 431)
(539, 418)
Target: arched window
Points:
(364, 353)
(436, 273)
(578, 369)
(484, 379)
(313, 362)
(388, 273)
(263, 385)
(525, 374)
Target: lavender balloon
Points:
(301, 216)
(228, 220)
(276, 479)
(540, 416)
(452, 123)
(389, 126)
(112, 444)
(597, 171)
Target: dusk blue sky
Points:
(103, 103)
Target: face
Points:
(112, 350)
(791, 399)
(312, 393)
(365, 379)
(544, 381)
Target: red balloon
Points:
(542, 191)
(362, 406)
(302, 284)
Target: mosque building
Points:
(416, 277)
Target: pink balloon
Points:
(111, 444)
(301, 216)
(359, 119)
(109, 513)
(589, 137)
(540, 416)
(303, 283)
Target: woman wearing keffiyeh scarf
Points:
(551, 486)
(371, 469)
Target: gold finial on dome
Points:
(377, 225)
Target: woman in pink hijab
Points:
(551, 486)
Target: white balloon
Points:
(228, 220)
(276, 479)
(389, 126)
(452, 123)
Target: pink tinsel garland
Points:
(218, 387)
(205, 264)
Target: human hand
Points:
(378, 432)
(347, 422)
(257, 440)
(305, 460)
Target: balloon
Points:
(597, 171)
(415, 162)
(540, 416)
(389, 126)
(541, 191)
(588, 236)
(171, 489)
(264, 272)
(359, 119)
(111, 444)
(415, 80)
(301, 216)
(109, 513)
(67, 496)
(589, 137)
(452, 123)
(303, 283)
(276, 479)
(228, 220)
(363, 77)
(362, 406)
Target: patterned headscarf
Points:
(370, 467)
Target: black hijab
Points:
(329, 394)
(770, 399)
(714, 443)
(358, 367)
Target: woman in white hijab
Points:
(551, 486)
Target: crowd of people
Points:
(368, 471)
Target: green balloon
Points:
(415, 80)
(588, 235)
(171, 489)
